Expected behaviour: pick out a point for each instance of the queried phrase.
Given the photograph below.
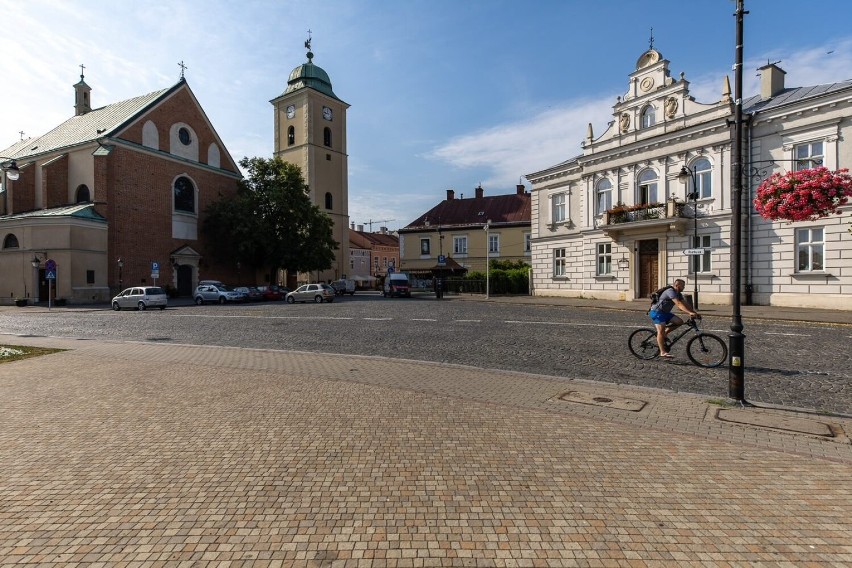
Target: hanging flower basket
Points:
(804, 195)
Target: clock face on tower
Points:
(326, 113)
(291, 111)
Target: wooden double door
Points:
(649, 267)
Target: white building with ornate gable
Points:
(616, 222)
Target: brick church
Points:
(110, 192)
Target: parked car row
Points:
(213, 291)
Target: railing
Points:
(643, 212)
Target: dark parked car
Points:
(273, 293)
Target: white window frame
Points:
(603, 259)
(493, 243)
(603, 195)
(559, 263)
(806, 156)
(427, 249)
(559, 208)
(527, 242)
(459, 245)
(700, 263)
(648, 116)
(810, 241)
(703, 170)
(647, 187)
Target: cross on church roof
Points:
(82, 71)
(182, 68)
(651, 41)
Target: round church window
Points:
(184, 137)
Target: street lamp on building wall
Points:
(686, 173)
(10, 172)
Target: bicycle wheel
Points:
(707, 350)
(643, 343)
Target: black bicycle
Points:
(705, 349)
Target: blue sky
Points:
(445, 94)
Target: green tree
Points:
(271, 223)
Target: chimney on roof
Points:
(383, 230)
(360, 228)
(771, 80)
(521, 189)
(352, 225)
(451, 194)
(479, 191)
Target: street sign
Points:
(50, 265)
(390, 269)
(155, 266)
(694, 252)
(442, 260)
(50, 275)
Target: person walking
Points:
(661, 313)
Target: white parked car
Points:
(141, 298)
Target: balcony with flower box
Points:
(645, 218)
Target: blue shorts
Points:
(660, 317)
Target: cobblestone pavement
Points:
(139, 454)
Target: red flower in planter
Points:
(804, 195)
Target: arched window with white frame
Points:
(603, 195)
(647, 187)
(649, 116)
(703, 176)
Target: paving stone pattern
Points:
(121, 454)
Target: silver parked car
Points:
(213, 293)
(141, 298)
(311, 293)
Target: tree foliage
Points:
(271, 223)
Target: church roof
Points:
(310, 76)
(84, 128)
(78, 210)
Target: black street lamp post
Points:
(687, 173)
(736, 361)
(11, 173)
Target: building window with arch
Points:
(184, 194)
(648, 187)
(328, 200)
(603, 195)
(291, 136)
(10, 242)
(702, 170)
(82, 194)
(649, 116)
(326, 136)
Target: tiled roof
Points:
(500, 209)
(793, 95)
(84, 128)
(368, 240)
(78, 210)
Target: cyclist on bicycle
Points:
(661, 314)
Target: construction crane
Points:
(370, 223)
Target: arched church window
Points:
(326, 136)
(82, 195)
(291, 136)
(184, 193)
(10, 242)
(328, 201)
(649, 116)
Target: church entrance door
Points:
(184, 280)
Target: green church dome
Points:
(308, 75)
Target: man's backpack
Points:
(655, 296)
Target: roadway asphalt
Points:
(142, 454)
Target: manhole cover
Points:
(605, 401)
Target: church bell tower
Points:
(310, 132)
